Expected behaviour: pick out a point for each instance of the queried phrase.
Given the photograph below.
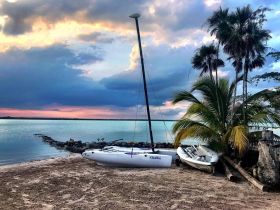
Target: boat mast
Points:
(136, 16)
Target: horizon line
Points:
(61, 118)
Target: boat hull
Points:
(171, 152)
(129, 159)
(206, 168)
(195, 163)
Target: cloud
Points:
(134, 57)
(64, 112)
(42, 77)
(222, 73)
(97, 37)
(39, 77)
(111, 112)
(213, 3)
(66, 54)
(167, 71)
(165, 22)
(25, 12)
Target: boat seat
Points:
(189, 153)
(201, 157)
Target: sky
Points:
(80, 59)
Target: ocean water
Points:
(18, 143)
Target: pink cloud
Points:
(139, 112)
(63, 112)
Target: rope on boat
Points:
(137, 110)
(167, 132)
(137, 115)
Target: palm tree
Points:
(237, 64)
(206, 120)
(219, 25)
(243, 37)
(205, 60)
(254, 39)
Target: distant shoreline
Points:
(42, 118)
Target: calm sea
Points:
(18, 143)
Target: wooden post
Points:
(247, 176)
(228, 173)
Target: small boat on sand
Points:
(199, 157)
(128, 157)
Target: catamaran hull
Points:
(171, 152)
(129, 159)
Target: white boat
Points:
(161, 151)
(135, 158)
(199, 157)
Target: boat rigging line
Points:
(135, 17)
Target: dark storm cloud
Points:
(22, 14)
(16, 26)
(40, 77)
(168, 15)
(167, 71)
(115, 10)
(160, 89)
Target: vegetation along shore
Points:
(229, 121)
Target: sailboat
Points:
(134, 157)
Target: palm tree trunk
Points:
(246, 69)
(235, 90)
(211, 75)
(220, 104)
(243, 93)
(210, 69)
(216, 76)
(216, 66)
(246, 88)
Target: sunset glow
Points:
(84, 58)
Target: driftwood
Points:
(228, 173)
(247, 176)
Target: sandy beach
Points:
(76, 183)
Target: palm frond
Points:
(204, 114)
(184, 123)
(239, 138)
(195, 131)
(185, 96)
